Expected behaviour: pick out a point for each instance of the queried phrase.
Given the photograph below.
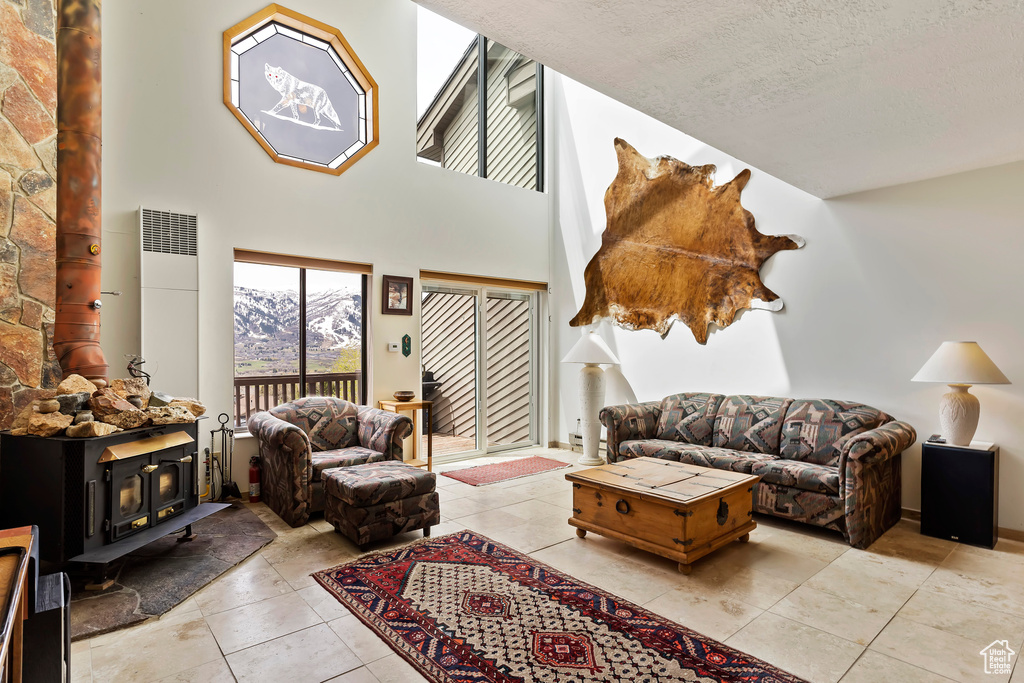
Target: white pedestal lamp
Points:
(960, 364)
(592, 352)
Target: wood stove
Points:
(151, 480)
(99, 498)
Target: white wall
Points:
(886, 276)
(170, 143)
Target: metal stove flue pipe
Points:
(76, 333)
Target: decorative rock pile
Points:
(78, 408)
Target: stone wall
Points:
(28, 202)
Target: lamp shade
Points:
(960, 363)
(592, 350)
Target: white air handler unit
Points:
(169, 280)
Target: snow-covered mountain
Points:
(333, 317)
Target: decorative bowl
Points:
(405, 395)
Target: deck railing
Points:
(253, 394)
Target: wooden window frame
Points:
(267, 258)
(320, 31)
(484, 280)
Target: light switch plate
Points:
(393, 347)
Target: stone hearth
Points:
(155, 578)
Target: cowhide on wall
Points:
(676, 247)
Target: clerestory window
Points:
(480, 105)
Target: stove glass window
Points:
(168, 484)
(131, 495)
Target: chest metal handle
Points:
(723, 513)
(622, 506)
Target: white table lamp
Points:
(592, 351)
(960, 364)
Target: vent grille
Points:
(169, 233)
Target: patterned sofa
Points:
(835, 464)
(301, 439)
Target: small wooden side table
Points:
(417, 408)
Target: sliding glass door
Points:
(508, 367)
(479, 368)
(450, 367)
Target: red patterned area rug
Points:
(503, 471)
(464, 609)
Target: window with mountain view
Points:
(297, 327)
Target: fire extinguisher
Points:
(254, 479)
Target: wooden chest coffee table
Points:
(676, 510)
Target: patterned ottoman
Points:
(380, 499)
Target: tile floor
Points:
(911, 608)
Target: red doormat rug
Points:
(464, 609)
(503, 471)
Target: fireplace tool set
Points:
(223, 486)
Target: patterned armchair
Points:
(301, 439)
(835, 464)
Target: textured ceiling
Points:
(832, 97)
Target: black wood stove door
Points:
(130, 494)
(148, 489)
(171, 484)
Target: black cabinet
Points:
(960, 493)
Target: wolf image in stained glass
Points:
(298, 94)
(314, 68)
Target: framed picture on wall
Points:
(397, 298)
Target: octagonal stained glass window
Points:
(298, 88)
